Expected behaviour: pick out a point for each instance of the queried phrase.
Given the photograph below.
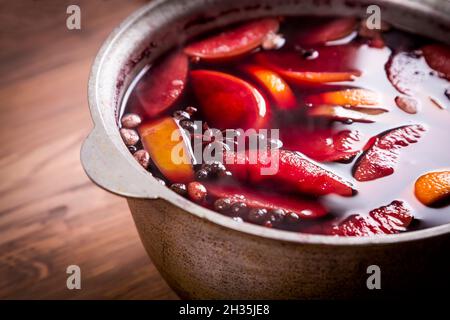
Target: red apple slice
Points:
(438, 58)
(169, 149)
(334, 64)
(347, 97)
(356, 114)
(382, 156)
(162, 85)
(332, 30)
(323, 145)
(234, 42)
(278, 89)
(286, 170)
(229, 102)
(390, 219)
(305, 209)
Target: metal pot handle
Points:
(107, 167)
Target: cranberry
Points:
(130, 120)
(196, 191)
(129, 136)
(142, 157)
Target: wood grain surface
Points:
(51, 214)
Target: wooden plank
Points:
(51, 215)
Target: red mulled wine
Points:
(315, 125)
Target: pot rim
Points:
(148, 187)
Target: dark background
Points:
(51, 215)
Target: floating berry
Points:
(222, 204)
(257, 215)
(196, 191)
(267, 200)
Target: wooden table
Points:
(51, 214)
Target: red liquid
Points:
(430, 153)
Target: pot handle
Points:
(116, 170)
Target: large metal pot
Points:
(202, 254)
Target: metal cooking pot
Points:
(202, 254)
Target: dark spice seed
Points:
(310, 54)
(268, 224)
(191, 110)
(188, 125)
(447, 93)
(206, 167)
(179, 188)
(224, 174)
(222, 204)
(161, 181)
(276, 216)
(239, 209)
(201, 174)
(132, 149)
(257, 215)
(217, 167)
(292, 218)
(181, 115)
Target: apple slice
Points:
(391, 219)
(356, 114)
(169, 149)
(234, 42)
(333, 64)
(347, 97)
(278, 89)
(229, 102)
(438, 58)
(381, 157)
(334, 29)
(323, 145)
(305, 209)
(162, 85)
(286, 170)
